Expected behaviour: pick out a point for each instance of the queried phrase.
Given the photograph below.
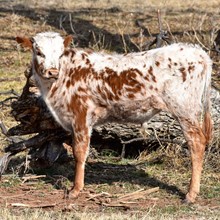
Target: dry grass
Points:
(5, 214)
(127, 5)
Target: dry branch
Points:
(137, 194)
(116, 205)
(125, 200)
(32, 206)
(98, 195)
(26, 178)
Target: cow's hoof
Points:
(189, 199)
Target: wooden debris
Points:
(26, 178)
(124, 201)
(137, 194)
(116, 205)
(32, 206)
(98, 195)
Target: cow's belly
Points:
(134, 111)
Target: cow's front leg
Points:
(81, 141)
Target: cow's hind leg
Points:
(196, 142)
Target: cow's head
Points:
(47, 48)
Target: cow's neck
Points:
(43, 84)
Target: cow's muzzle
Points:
(52, 73)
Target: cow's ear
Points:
(67, 41)
(25, 42)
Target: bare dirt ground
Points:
(114, 28)
(110, 187)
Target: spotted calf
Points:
(91, 88)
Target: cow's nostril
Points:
(51, 73)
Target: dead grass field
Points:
(106, 25)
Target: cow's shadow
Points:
(109, 173)
(102, 173)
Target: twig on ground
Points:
(130, 194)
(99, 194)
(137, 194)
(26, 178)
(32, 206)
(116, 205)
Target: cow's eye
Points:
(40, 54)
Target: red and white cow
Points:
(90, 88)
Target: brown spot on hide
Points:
(87, 61)
(147, 78)
(157, 63)
(131, 96)
(66, 52)
(53, 90)
(151, 87)
(183, 71)
(150, 70)
(84, 55)
(80, 73)
(123, 81)
(191, 68)
(68, 84)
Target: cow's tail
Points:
(207, 124)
